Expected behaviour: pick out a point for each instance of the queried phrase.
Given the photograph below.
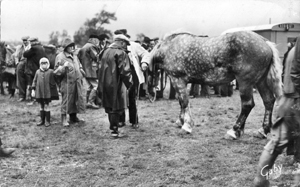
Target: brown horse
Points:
(244, 56)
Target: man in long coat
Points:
(88, 57)
(33, 55)
(20, 70)
(139, 58)
(286, 130)
(70, 73)
(114, 78)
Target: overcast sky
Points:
(154, 18)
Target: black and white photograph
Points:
(149, 93)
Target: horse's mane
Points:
(171, 35)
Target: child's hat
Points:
(44, 60)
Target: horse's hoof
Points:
(260, 134)
(232, 134)
(187, 128)
(178, 123)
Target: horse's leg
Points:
(246, 94)
(269, 100)
(184, 117)
(1, 84)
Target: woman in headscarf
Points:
(70, 75)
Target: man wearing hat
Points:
(103, 41)
(88, 57)
(33, 53)
(114, 78)
(147, 43)
(69, 71)
(20, 70)
(136, 52)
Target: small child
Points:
(44, 90)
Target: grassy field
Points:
(156, 155)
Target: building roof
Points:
(257, 27)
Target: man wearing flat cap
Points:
(122, 31)
(88, 57)
(33, 53)
(139, 58)
(115, 78)
(103, 41)
(20, 70)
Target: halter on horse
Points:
(244, 56)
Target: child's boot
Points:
(42, 115)
(48, 116)
(64, 121)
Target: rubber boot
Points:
(265, 163)
(297, 150)
(64, 121)
(91, 101)
(88, 95)
(122, 120)
(114, 120)
(28, 93)
(48, 116)
(42, 115)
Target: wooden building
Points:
(279, 33)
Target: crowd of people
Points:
(114, 73)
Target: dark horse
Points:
(7, 68)
(244, 56)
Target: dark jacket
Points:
(295, 67)
(44, 85)
(114, 77)
(33, 55)
(88, 57)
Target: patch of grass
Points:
(158, 154)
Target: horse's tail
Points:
(274, 79)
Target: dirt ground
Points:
(157, 155)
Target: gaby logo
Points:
(273, 173)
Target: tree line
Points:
(94, 25)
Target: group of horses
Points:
(186, 58)
(8, 66)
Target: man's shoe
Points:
(115, 134)
(121, 124)
(21, 99)
(92, 106)
(76, 120)
(6, 151)
(31, 103)
(135, 126)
